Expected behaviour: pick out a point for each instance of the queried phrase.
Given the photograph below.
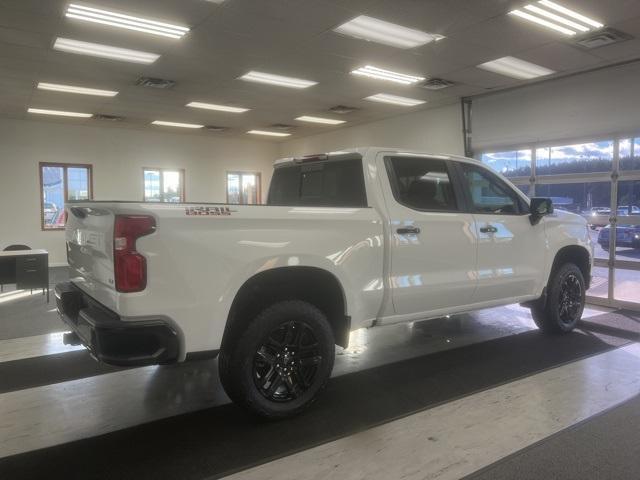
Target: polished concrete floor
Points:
(438, 399)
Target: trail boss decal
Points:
(208, 211)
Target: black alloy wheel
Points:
(281, 361)
(287, 362)
(561, 309)
(570, 301)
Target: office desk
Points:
(28, 269)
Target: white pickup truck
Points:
(353, 239)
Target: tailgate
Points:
(89, 237)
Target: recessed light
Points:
(516, 68)
(176, 124)
(54, 87)
(381, 74)
(327, 121)
(395, 100)
(221, 108)
(271, 79)
(556, 17)
(104, 51)
(59, 113)
(105, 17)
(269, 134)
(387, 33)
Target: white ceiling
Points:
(287, 37)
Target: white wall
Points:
(595, 103)
(118, 156)
(437, 130)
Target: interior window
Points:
(488, 193)
(422, 183)
(243, 188)
(163, 185)
(60, 183)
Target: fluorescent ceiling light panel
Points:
(571, 13)
(381, 74)
(105, 17)
(269, 134)
(59, 113)
(515, 68)
(556, 17)
(220, 108)
(387, 33)
(395, 100)
(104, 51)
(271, 79)
(54, 87)
(176, 124)
(327, 121)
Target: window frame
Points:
(65, 179)
(521, 204)
(459, 197)
(240, 173)
(181, 171)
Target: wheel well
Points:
(314, 285)
(577, 255)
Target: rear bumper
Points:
(109, 338)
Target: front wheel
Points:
(565, 301)
(281, 362)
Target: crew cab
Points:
(354, 239)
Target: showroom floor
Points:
(483, 394)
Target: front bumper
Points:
(112, 340)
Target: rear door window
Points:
(324, 184)
(422, 183)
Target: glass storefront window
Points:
(628, 225)
(625, 285)
(630, 154)
(514, 163)
(581, 198)
(578, 158)
(599, 282)
(591, 200)
(524, 188)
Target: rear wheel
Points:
(277, 367)
(564, 303)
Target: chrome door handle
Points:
(408, 230)
(488, 229)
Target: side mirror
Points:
(538, 208)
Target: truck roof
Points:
(348, 152)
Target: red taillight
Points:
(130, 267)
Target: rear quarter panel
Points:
(198, 259)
